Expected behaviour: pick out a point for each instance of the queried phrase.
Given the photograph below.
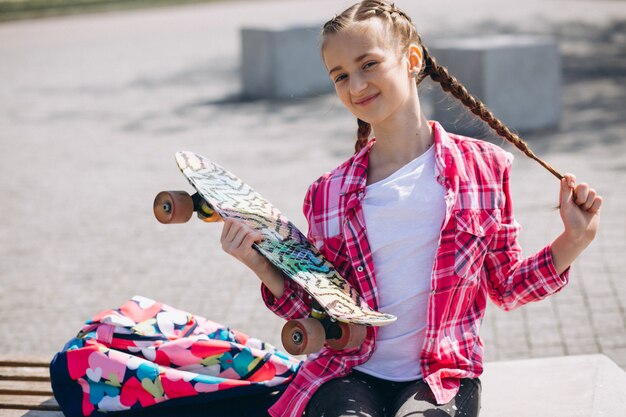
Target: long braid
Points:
(451, 85)
(363, 135)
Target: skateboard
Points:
(339, 315)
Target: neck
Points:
(403, 140)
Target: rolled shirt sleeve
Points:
(511, 279)
(291, 305)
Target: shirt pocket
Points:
(475, 228)
(334, 248)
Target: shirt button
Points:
(480, 229)
(359, 268)
(433, 292)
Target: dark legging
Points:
(359, 394)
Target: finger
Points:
(591, 196)
(230, 235)
(581, 191)
(248, 237)
(238, 236)
(565, 192)
(254, 234)
(571, 179)
(258, 236)
(251, 238)
(228, 223)
(597, 203)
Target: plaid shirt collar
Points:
(356, 176)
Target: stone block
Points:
(572, 386)
(282, 62)
(518, 77)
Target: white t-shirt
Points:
(403, 217)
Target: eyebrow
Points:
(359, 58)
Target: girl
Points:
(420, 221)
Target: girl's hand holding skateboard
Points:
(237, 239)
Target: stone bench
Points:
(570, 386)
(517, 76)
(282, 62)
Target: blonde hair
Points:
(406, 34)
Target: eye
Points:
(369, 64)
(340, 77)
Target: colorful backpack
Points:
(149, 357)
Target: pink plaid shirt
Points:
(478, 256)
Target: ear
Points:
(415, 56)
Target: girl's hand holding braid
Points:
(580, 213)
(580, 208)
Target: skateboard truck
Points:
(172, 207)
(306, 336)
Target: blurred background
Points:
(97, 96)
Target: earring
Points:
(414, 74)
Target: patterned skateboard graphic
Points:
(284, 245)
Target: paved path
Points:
(92, 109)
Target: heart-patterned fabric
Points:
(146, 353)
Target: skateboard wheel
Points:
(303, 336)
(352, 336)
(173, 207)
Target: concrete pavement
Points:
(92, 109)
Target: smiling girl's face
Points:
(371, 74)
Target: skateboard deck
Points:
(283, 245)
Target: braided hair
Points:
(405, 32)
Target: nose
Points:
(357, 84)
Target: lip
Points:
(365, 101)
